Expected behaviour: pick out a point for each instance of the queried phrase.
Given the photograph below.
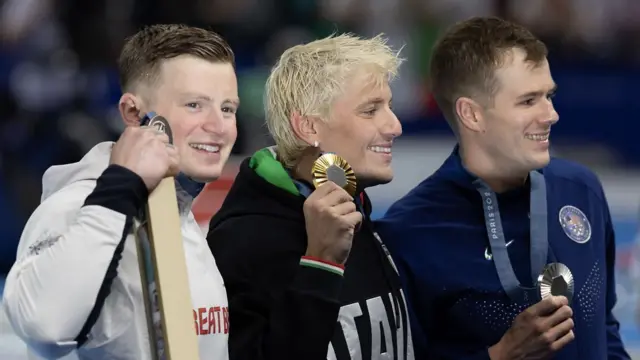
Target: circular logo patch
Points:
(575, 224)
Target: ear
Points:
(130, 107)
(469, 114)
(305, 128)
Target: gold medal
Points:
(331, 167)
(556, 280)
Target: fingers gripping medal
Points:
(331, 167)
(556, 280)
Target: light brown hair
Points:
(465, 58)
(144, 52)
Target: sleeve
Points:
(616, 350)
(67, 260)
(281, 305)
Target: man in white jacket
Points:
(76, 283)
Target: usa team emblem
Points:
(575, 224)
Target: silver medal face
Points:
(337, 175)
(556, 280)
(162, 125)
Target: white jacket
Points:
(63, 257)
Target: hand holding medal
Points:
(330, 214)
(547, 326)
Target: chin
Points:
(540, 161)
(204, 174)
(375, 178)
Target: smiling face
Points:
(186, 75)
(199, 98)
(491, 79)
(517, 126)
(362, 128)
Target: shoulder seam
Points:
(599, 195)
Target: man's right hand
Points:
(331, 218)
(538, 332)
(146, 151)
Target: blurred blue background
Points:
(58, 88)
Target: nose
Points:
(393, 127)
(552, 116)
(214, 123)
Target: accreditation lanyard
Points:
(539, 244)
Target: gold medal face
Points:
(556, 280)
(331, 167)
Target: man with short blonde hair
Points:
(306, 275)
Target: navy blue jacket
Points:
(437, 236)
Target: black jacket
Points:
(280, 309)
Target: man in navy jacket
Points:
(471, 240)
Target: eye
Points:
(371, 112)
(229, 109)
(193, 105)
(528, 102)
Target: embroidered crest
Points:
(575, 224)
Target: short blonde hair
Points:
(308, 78)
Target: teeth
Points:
(538, 137)
(380, 149)
(207, 148)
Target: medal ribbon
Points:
(539, 244)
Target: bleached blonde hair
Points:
(308, 78)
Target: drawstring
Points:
(389, 269)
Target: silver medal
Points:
(556, 280)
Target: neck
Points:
(302, 170)
(499, 178)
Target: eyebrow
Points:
(235, 101)
(195, 96)
(374, 101)
(539, 93)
